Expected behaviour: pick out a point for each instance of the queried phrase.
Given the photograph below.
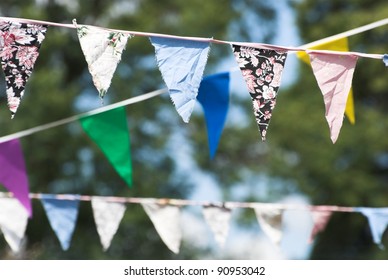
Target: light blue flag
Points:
(181, 63)
(378, 221)
(214, 97)
(62, 215)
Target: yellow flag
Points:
(337, 45)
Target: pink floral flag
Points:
(334, 74)
(320, 220)
(19, 49)
(262, 71)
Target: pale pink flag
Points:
(320, 220)
(334, 74)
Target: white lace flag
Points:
(270, 220)
(102, 50)
(13, 222)
(218, 219)
(107, 216)
(166, 219)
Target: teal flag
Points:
(109, 130)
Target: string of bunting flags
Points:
(181, 61)
(165, 214)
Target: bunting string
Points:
(212, 40)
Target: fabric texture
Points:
(62, 215)
(334, 74)
(181, 63)
(109, 130)
(213, 95)
(13, 222)
(166, 220)
(102, 50)
(262, 71)
(218, 219)
(19, 49)
(107, 216)
(336, 45)
(13, 174)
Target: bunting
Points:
(107, 216)
(378, 222)
(335, 45)
(13, 173)
(19, 49)
(181, 63)
(62, 216)
(166, 220)
(334, 74)
(102, 50)
(320, 220)
(110, 132)
(218, 219)
(270, 221)
(262, 71)
(13, 222)
(213, 95)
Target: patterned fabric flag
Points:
(13, 173)
(336, 45)
(19, 49)
(262, 71)
(334, 74)
(378, 222)
(218, 219)
(107, 216)
(166, 220)
(13, 222)
(102, 50)
(109, 130)
(320, 220)
(62, 215)
(181, 63)
(270, 220)
(213, 95)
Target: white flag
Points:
(218, 219)
(102, 50)
(107, 216)
(13, 222)
(270, 220)
(166, 219)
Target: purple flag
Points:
(13, 174)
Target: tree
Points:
(63, 160)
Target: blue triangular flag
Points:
(378, 221)
(62, 215)
(213, 95)
(181, 63)
(385, 59)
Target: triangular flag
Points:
(270, 220)
(13, 173)
(102, 50)
(213, 95)
(13, 222)
(320, 220)
(62, 215)
(334, 74)
(107, 216)
(166, 220)
(262, 71)
(378, 222)
(336, 45)
(218, 219)
(19, 49)
(181, 63)
(110, 132)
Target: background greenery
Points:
(297, 158)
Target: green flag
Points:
(110, 132)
